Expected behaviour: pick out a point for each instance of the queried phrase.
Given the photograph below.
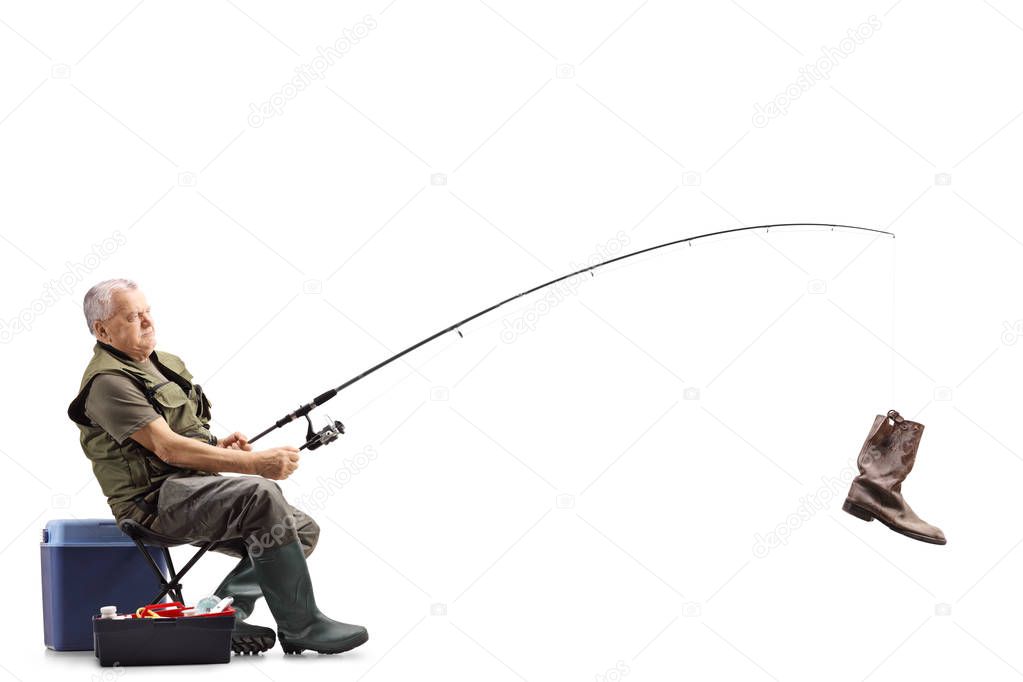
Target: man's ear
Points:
(99, 331)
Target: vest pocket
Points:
(169, 395)
(179, 408)
(137, 469)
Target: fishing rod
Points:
(334, 429)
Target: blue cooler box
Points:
(86, 564)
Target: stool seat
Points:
(142, 536)
(134, 529)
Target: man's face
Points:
(130, 329)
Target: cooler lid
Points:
(83, 533)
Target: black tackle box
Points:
(169, 640)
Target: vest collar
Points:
(167, 372)
(119, 354)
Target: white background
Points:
(558, 507)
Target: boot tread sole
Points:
(251, 644)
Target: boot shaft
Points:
(242, 584)
(889, 452)
(284, 577)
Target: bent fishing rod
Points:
(330, 433)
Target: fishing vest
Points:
(129, 474)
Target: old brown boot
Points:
(885, 461)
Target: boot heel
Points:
(858, 512)
(289, 648)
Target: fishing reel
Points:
(328, 434)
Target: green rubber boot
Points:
(241, 584)
(284, 577)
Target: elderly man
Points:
(145, 427)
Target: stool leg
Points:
(165, 585)
(175, 579)
(176, 576)
(171, 585)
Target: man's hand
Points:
(236, 441)
(275, 463)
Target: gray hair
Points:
(97, 304)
